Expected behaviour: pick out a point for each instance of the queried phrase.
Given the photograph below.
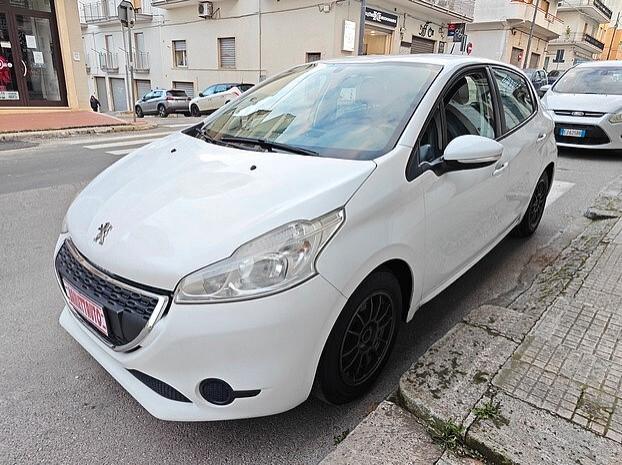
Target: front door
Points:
(31, 71)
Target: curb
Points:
(60, 133)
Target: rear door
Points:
(205, 102)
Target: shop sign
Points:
(9, 95)
(349, 36)
(456, 31)
(380, 17)
(426, 30)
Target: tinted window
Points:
(469, 108)
(221, 88)
(177, 93)
(516, 98)
(340, 110)
(209, 90)
(244, 87)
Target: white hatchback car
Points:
(223, 271)
(586, 104)
(216, 96)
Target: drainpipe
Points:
(362, 28)
(533, 23)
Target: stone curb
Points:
(60, 133)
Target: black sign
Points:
(380, 17)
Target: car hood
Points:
(179, 204)
(582, 102)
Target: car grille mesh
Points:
(126, 312)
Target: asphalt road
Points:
(58, 406)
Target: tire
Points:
(194, 111)
(187, 114)
(139, 112)
(162, 112)
(533, 215)
(361, 340)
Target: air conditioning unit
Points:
(206, 9)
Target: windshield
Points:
(591, 80)
(338, 110)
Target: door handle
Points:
(541, 137)
(499, 168)
(25, 68)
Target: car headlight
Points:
(616, 118)
(273, 262)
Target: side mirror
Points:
(201, 94)
(471, 152)
(544, 89)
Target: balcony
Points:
(166, 4)
(141, 62)
(108, 61)
(595, 9)
(104, 12)
(520, 16)
(584, 41)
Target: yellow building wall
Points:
(616, 46)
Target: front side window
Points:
(180, 53)
(339, 110)
(469, 107)
(591, 80)
(516, 98)
(430, 141)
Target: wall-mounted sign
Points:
(349, 36)
(455, 30)
(380, 17)
(9, 95)
(426, 30)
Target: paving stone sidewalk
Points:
(538, 381)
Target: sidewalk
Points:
(537, 382)
(62, 123)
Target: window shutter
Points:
(227, 52)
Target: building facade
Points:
(582, 36)
(612, 38)
(41, 57)
(500, 30)
(190, 44)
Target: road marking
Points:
(122, 152)
(120, 137)
(558, 189)
(119, 144)
(178, 125)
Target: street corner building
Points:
(192, 45)
(42, 67)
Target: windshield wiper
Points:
(269, 145)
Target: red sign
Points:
(469, 48)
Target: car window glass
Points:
(148, 96)
(429, 143)
(244, 87)
(469, 108)
(220, 88)
(177, 93)
(516, 97)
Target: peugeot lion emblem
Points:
(104, 229)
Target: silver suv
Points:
(163, 102)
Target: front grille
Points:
(577, 113)
(594, 135)
(127, 308)
(160, 387)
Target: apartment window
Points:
(313, 56)
(559, 56)
(109, 44)
(180, 54)
(226, 52)
(139, 41)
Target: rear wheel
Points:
(194, 111)
(139, 112)
(534, 212)
(162, 112)
(362, 339)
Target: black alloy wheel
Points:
(139, 112)
(533, 215)
(194, 111)
(361, 340)
(162, 111)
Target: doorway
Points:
(377, 41)
(31, 71)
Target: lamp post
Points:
(361, 50)
(533, 22)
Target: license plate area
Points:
(91, 311)
(572, 132)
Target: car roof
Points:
(600, 64)
(445, 60)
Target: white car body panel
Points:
(175, 212)
(215, 101)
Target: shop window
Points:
(180, 54)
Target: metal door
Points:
(420, 45)
(119, 94)
(102, 95)
(142, 87)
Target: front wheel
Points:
(534, 212)
(361, 340)
(162, 111)
(139, 112)
(194, 111)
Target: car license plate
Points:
(572, 132)
(87, 308)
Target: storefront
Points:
(379, 28)
(35, 60)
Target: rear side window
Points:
(516, 98)
(244, 87)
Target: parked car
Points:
(216, 96)
(586, 104)
(553, 76)
(162, 102)
(223, 271)
(538, 78)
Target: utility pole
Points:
(362, 28)
(533, 22)
(127, 16)
(613, 34)
(131, 61)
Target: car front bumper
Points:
(271, 344)
(613, 132)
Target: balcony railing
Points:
(104, 11)
(108, 61)
(141, 62)
(580, 39)
(586, 5)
